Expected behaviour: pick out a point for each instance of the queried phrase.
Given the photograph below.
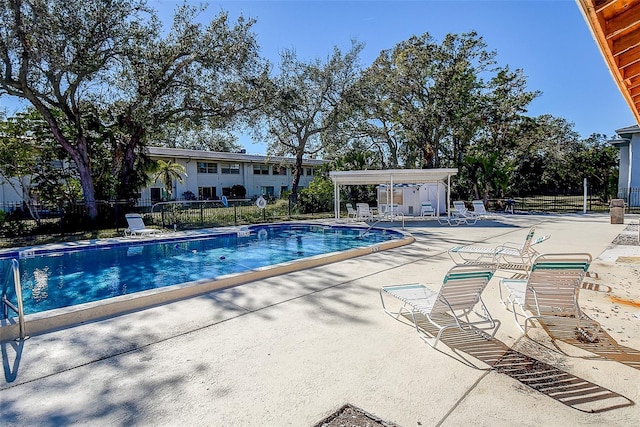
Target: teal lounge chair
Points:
(450, 306)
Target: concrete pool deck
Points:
(292, 349)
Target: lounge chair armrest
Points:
(540, 239)
(510, 245)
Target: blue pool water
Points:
(64, 278)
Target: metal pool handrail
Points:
(15, 267)
(380, 220)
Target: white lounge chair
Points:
(551, 290)
(452, 220)
(351, 212)
(507, 256)
(449, 307)
(364, 212)
(137, 227)
(460, 215)
(456, 215)
(389, 212)
(427, 209)
(480, 211)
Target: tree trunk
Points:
(78, 152)
(297, 172)
(81, 158)
(127, 181)
(125, 168)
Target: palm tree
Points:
(167, 172)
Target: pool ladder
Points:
(380, 220)
(6, 304)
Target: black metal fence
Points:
(571, 202)
(553, 203)
(183, 215)
(631, 197)
(17, 221)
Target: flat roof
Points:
(225, 156)
(397, 176)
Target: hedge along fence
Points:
(179, 215)
(198, 214)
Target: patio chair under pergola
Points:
(392, 177)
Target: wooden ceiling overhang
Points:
(615, 25)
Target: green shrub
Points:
(317, 197)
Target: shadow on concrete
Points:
(551, 381)
(594, 340)
(11, 356)
(432, 223)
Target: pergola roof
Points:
(615, 25)
(389, 176)
(397, 176)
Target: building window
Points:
(204, 167)
(383, 196)
(230, 168)
(56, 164)
(267, 191)
(226, 191)
(156, 194)
(261, 169)
(279, 170)
(207, 193)
(309, 171)
(283, 189)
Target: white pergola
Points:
(391, 177)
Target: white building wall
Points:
(413, 195)
(9, 196)
(190, 181)
(634, 170)
(436, 193)
(624, 175)
(629, 165)
(255, 184)
(634, 159)
(190, 158)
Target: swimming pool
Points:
(68, 277)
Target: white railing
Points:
(6, 304)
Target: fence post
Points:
(61, 221)
(115, 215)
(584, 203)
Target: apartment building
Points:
(211, 175)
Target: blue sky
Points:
(549, 40)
